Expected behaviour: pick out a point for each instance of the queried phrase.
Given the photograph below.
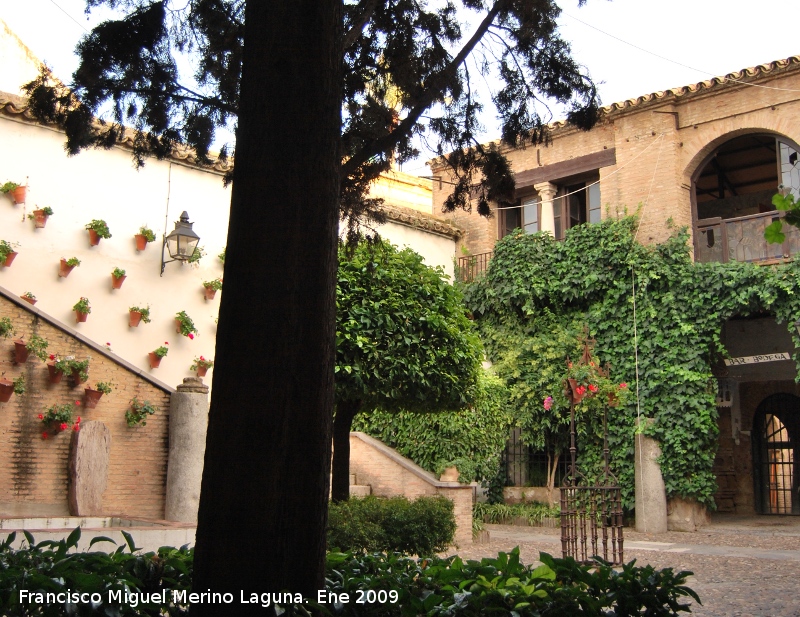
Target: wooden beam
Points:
(565, 169)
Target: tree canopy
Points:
(403, 341)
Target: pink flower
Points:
(191, 336)
(63, 426)
(548, 403)
(592, 388)
(41, 417)
(44, 434)
(623, 385)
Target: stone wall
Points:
(34, 479)
(390, 474)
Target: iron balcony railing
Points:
(470, 266)
(742, 239)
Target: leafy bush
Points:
(421, 527)
(388, 585)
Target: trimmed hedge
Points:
(422, 527)
(386, 585)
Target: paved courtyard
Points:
(742, 566)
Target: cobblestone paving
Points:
(740, 570)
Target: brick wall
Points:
(660, 142)
(33, 480)
(389, 474)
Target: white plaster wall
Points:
(436, 250)
(17, 62)
(105, 185)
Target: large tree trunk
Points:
(263, 504)
(343, 420)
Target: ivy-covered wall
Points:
(680, 308)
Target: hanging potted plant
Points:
(201, 366)
(7, 388)
(82, 310)
(212, 287)
(144, 236)
(156, 355)
(6, 327)
(57, 418)
(137, 314)
(7, 253)
(18, 192)
(36, 346)
(91, 396)
(40, 216)
(79, 370)
(67, 265)
(117, 278)
(184, 325)
(29, 297)
(137, 413)
(57, 367)
(97, 230)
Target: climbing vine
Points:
(538, 289)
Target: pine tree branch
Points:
(367, 11)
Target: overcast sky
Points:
(696, 39)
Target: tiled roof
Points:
(16, 107)
(421, 220)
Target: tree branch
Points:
(387, 142)
(367, 10)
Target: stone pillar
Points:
(547, 195)
(188, 421)
(88, 468)
(651, 496)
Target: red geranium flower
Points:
(52, 356)
(76, 427)
(191, 336)
(63, 426)
(44, 434)
(580, 390)
(592, 388)
(78, 403)
(78, 421)
(623, 385)
(41, 416)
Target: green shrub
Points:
(421, 527)
(397, 586)
(501, 513)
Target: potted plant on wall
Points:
(67, 265)
(212, 287)
(201, 366)
(117, 278)
(157, 354)
(6, 327)
(57, 367)
(184, 325)
(29, 297)
(7, 253)
(7, 388)
(58, 418)
(40, 216)
(91, 396)
(17, 192)
(137, 413)
(97, 230)
(137, 314)
(82, 310)
(36, 346)
(144, 236)
(79, 370)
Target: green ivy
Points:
(537, 292)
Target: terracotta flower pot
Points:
(19, 194)
(134, 319)
(10, 258)
(141, 242)
(201, 371)
(94, 239)
(55, 374)
(210, 293)
(77, 379)
(576, 396)
(6, 390)
(64, 269)
(80, 317)
(39, 219)
(91, 398)
(613, 401)
(178, 326)
(20, 352)
(28, 300)
(116, 282)
(155, 361)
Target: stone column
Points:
(188, 421)
(651, 496)
(547, 195)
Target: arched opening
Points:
(732, 196)
(775, 455)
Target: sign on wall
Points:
(771, 357)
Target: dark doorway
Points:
(776, 428)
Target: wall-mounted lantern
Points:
(181, 242)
